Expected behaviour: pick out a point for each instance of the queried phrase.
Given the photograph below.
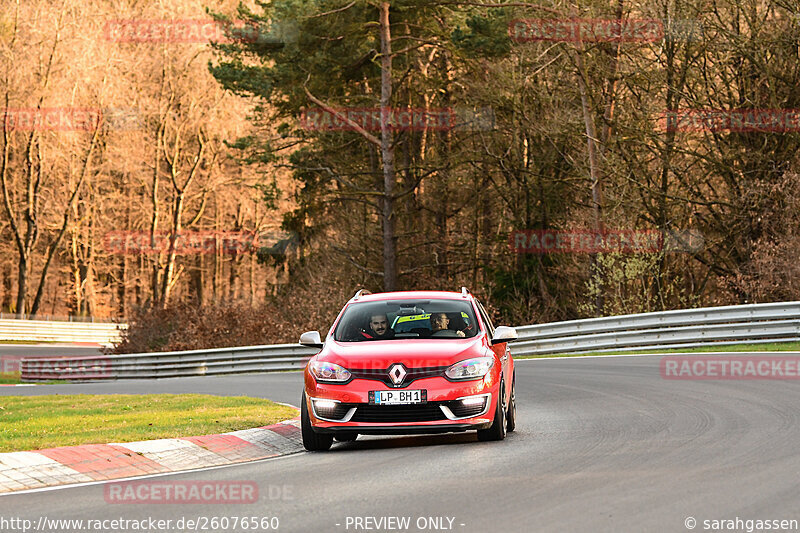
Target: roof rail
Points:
(464, 292)
(360, 293)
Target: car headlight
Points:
(470, 368)
(329, 372)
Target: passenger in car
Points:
(378, 328)
(458, 323)
(440, 321)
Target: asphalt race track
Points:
(603, 444)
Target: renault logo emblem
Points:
(397, 373)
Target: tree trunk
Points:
(122, 286)
(442, 216)
(22, 285)
(169, 271)
(77, 303)
(216, 275)
(196, 279)
(594, 173)
(6, 304)
(156, 267)
(387, 156)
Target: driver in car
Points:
(378, 328)
(440, 321)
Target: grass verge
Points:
(765, 347)
(9, 378)
(13, 378)
(37, 422)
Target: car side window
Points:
(485, 318)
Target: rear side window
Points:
(485, 318)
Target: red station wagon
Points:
(409, 363)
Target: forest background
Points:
(214, 173)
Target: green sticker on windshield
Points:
(413, 318)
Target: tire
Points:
(511, 416)
(346, 437)
(497, 431)
(312, 441)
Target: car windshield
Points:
(406, 319)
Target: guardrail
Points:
(270, 358)
(685, 328)
(105, 333)
(775, 322)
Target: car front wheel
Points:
(312, 441)
(511, 417)
(497, 431)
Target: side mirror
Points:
(311, 339)
(504, 334)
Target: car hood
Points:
(413, 353)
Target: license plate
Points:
(397, 397)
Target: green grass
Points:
(765, 347)
(13, 378)
(37, 422)
(7, 378)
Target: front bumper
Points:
(404, 429)
(443, 412)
